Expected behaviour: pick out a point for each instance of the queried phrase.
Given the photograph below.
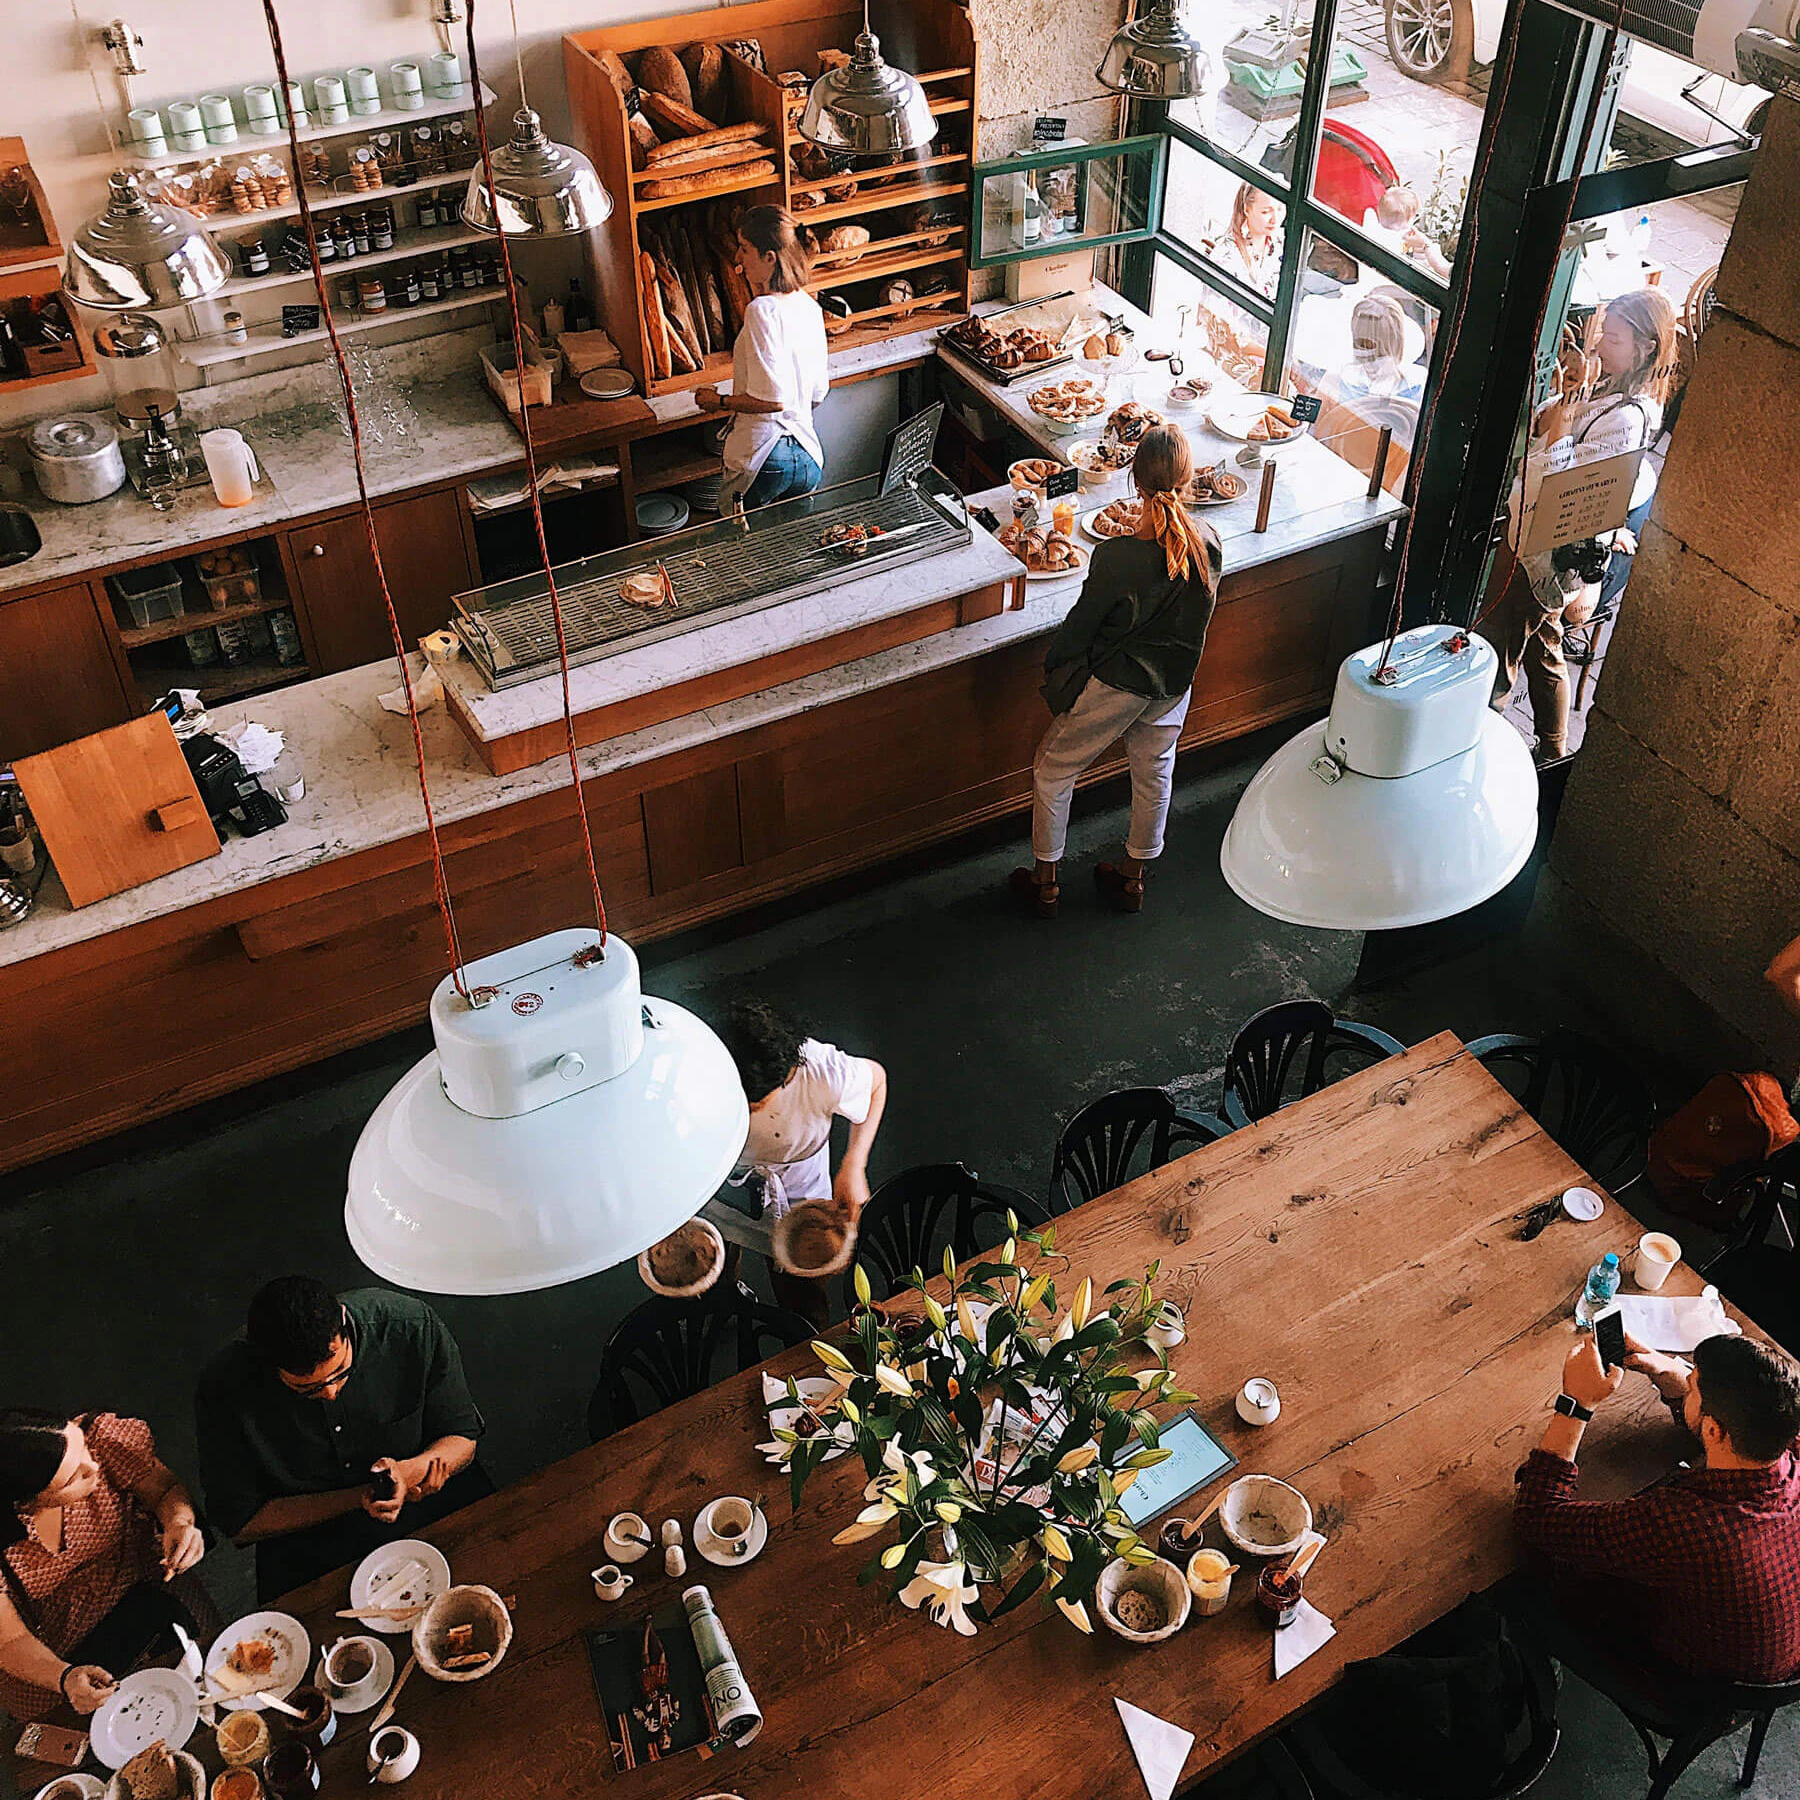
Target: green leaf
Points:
(1021, 1590)
(1146, 1428)
(864, 1292)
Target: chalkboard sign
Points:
(1046, 131)
(909, 446)
(1304, 407)
(1064, 481)
(296, 319)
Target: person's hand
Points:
(1415, 240)
(1625, 541)
(387, 1511)
(1669, 1373)
(1584, 1379)
(87, 1687)
(851, 1192)
(707, 398)
(422, 1476)
(182, 1546)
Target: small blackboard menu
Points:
(1064, 481)
(296, 319)
(1305, 408)
(907, 454)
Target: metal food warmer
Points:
(717, 571)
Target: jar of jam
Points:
(373, 294)
(341, 239)
(431, 281)
(359, 229)
(1209, 1574)
(1278, 1593)
(428, 212)
(381, 227)
(256, 257)
(411, 288)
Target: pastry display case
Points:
(722, 570)
(1068, 197)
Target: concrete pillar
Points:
(1679, 836)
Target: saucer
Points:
(715, 1553)
(382, 1676)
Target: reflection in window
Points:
(1257, 54)
(1201, 319)
(1228, 221)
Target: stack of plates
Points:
(607, 384)
(703, 495)
(660, 513)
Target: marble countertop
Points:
(452, 428)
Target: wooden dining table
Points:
(1358, 1248)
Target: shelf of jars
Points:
(268, 337)
(351, 252)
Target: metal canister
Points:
(77, 458)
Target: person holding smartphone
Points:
(335, 1424)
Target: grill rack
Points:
(724, 575)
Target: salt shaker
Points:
(671, 1531)
(674, 1560)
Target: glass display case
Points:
(708, 573)
(1068, 197)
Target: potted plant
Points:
(998, 1428)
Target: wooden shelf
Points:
(265, 340)
(135, 637)
(942, 109)
(219, 223)
(943, 238)
(21, 247)
(910, 193)
(861, 200)
(246, 145)
(406, 244)
(660, 466)
(879, 269)
(707, 193)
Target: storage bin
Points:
(149, 594)
(229, 577)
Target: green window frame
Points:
(1150, 150)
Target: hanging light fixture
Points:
(563, 1123)
(540, 188)
(867, 107)
(1155, 57)
(141, 254)
(1414, 801)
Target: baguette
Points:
(681, 254)
(698, 162)
(684, 341)
(660, 72)
(673, 116)
(762, 170)
(711, 295)
(656, 327)
(677, 148)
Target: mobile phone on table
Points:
(382, 1485)
(53, 1744)
(1609, 1338)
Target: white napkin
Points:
(1675, 1323)
(1298, 1639)
(1160, 1748)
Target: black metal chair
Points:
(1698, 1720)
(667, 1350)
(1268, 1772)
(1596, 1108)
(1333, 1779)
(1289, 1051)
(913, 1215)
(1099, 1148)
(1761, 1277)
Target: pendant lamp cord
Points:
(1476, 189)
(440, 880)
(512, 6)
(537, 509)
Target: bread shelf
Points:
(879, 269)
(862, 201)
(834, 264)
(708, 193)
(912, 193)
(386, 120)
(406, 244)
(265, 340)
(221, 223)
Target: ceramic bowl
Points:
(1160, 1582)
(188, 1771)
(1265, 1517)
(471, 1605)
(703, 1281)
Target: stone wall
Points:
(1680, 832)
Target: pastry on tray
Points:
(1033, 471)
(1042, 552)
(1275, 425)
(1130, 421)
(852, 538)
(1068, 401)
(648, 588)
(1215, 483)
(1120, 519)
(1103, 457)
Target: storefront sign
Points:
(1583, 502)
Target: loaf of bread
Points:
(616, 72)
(751, 133)
(152, 1774)
(708, 87)
(840, 240)
(672, 117)
(660, 71)
(676, 185)
(656, 327)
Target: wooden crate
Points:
(25, 285)
(933, 38)
(30, 240)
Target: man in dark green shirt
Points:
(328, 1421)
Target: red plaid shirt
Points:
(1709, 1560)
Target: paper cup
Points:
(1657, 1254)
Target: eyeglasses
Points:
(311, 1390)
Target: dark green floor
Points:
(122, 1271)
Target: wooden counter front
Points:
(142, 1022)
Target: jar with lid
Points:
(373, 294)
(413, 288)
(428, 212)
(255, 256)
(139, 358)
(431, 279)
(359, 229)
(349, 294)
(490, 272)
(235, 332)
(381, 226)
(343, 240)
(427, 151)
(462, 268)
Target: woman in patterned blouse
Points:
(88, 1514)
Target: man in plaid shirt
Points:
(1701, 1572)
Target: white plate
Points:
(1061, 574)
(293, 1654)
(715, 1553)
(607, 384)
(89, 1787)
(783, 1413)
(367, 1589)
(1087, 526)
(384, 1671)
(1232, 416)
(152, 1704)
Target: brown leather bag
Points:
(1735, 1121)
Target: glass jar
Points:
(359, 229)
(428, 212)
(235, 331)
(381, 227)
(431, 280)
(138, 355)
(413, 289)
(373, 294)
(342, 238)
(256, 257)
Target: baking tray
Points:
(1006, 377)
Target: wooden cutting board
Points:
(118, 808)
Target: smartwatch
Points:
(1573, 1409)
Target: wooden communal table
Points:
(1358, 1248)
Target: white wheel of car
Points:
(1430, 40)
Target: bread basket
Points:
(472, 1605)
(1159, 1583)
(187, 1768)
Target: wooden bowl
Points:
(782, 1246)
(1265, 1517)
(470, 1605)
(1159, 1583)
(702, 1281)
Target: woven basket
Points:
(472, 1605)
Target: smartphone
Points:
(53, 1744)
(382, 1485)
(1609, 1338)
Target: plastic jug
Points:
(232, 465)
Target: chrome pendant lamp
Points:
(1155, 57)
(142, 255)
(867, 107)
(1414, 801)
(541, 188)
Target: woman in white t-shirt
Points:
(779, 369)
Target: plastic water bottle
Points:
(1597, 1296)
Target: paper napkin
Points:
(1674, 1323)
(1160, 1748)
(1296, 1641)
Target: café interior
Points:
(900, 897)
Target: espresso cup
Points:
(610, 1581)
(349, 1668)
(1168, 1325)
(627, 1537)
(1657, 1254)
(730, 1525)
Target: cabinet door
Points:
(426, 559)
(58, 680)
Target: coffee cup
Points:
(393, 1754)
(1258, 1403)
(349, 1670)
(1657, 1254)
(627, 1537)
(730, 1522)
(610, 1581)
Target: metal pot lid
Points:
(130, 335)
(77, 435)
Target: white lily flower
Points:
(942, 1589)
(965, 1317)
(1084, 1298)
(1077, 1615)
(1078, 1458)
(1065, 1329)
(878, 1514)
(1148, 1378)
(859, 1532)
(891, 1381)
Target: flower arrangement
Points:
(998, 1431)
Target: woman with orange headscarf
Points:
(1123, 664)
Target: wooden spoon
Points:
(1193, 1527)
(1305, 1559)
